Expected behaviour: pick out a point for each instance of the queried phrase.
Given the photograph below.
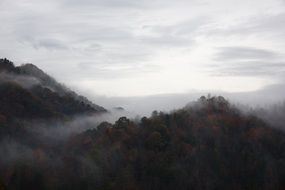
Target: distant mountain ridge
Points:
(27, 87)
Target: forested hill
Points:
(206, 145)
(28, 92)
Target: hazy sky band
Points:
(127, 47)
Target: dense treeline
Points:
(208, 144)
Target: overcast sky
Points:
(144, 47)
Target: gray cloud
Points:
(105, 3)
(251, 69)
(127, 4)
(244, 53)
(48, 44)
(168, 41)
(96, 71)
(247, 61)
(184, 28)
(270, 24)
(180, 34)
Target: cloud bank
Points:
(127, 48)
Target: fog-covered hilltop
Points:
(28, 92)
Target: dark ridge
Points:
(53, 95)
(65, 104)
(7, 66)
(52, 84)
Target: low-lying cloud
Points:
(24, 81)
(244, 53)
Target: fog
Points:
(144, 105)
(59, 130)
(268, 103)
(14, 151)
(43, 138)
(22, 80)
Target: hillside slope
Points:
(28, 92)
